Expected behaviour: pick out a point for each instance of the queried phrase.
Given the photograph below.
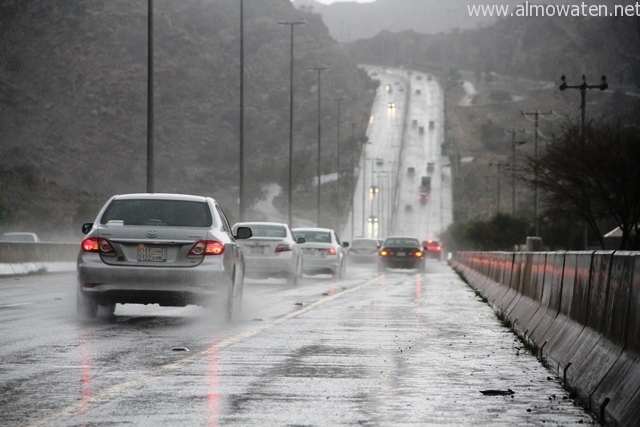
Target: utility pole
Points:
(513, 167)
(499, 165)
(583, 106)
(536, 115)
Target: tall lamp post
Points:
(150, 156)
(241, 207)
(364, 178)
(583, 94)
(338, 101)
(290, 191)
(319, 69)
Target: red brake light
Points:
(207, 247)
(385, 252)
(283, 247)
(418, 254)
(98, 244)
(332, 251)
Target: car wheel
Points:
(237, 303)
(292, 277)
(107, 311)
(225, 303)
(86, 308)
(339, 272)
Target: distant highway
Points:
(406, 132)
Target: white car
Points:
(166, 249)
(323, 252)
(20, 237)
(271, 251)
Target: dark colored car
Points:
(432, 248)
(401, 252)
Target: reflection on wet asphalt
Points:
(396, 349)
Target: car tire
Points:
(339, 273)
(86, 308)
(224, 305)
(421, 268)
(237, 303)
(293, 276)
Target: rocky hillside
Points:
(73, 100)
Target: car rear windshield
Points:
(268, 231)
(172, 213)
(314, 236)
(399, 243)
(364, 244)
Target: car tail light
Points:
(283, 247)
(98, 244)
(207, 247)
(385, 252)
(332, 251)
(418, 254)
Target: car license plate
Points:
(402, 254)
(257, 250)
(147, 254)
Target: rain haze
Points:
(331, 212)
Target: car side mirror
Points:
(301, 240)
(86, 228)
(243, 233)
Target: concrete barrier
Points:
(20, 258)
(582, 311)
(528, 304)
(569, 323)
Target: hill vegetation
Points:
(73, 102)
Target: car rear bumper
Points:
(278, 266)
(402, 263)
(107, 284)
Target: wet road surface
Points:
(398, 349)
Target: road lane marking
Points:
(19, 304)
(111, 393)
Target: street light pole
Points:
(338, 101)
(583, 94)
(241, 206)
(290, 190)
(150, 153)
(364, 178)
(319, 70)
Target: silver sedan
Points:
(271, 251)
(166, 249)
(323, 252)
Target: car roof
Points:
(161, 196)
(311, 229)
